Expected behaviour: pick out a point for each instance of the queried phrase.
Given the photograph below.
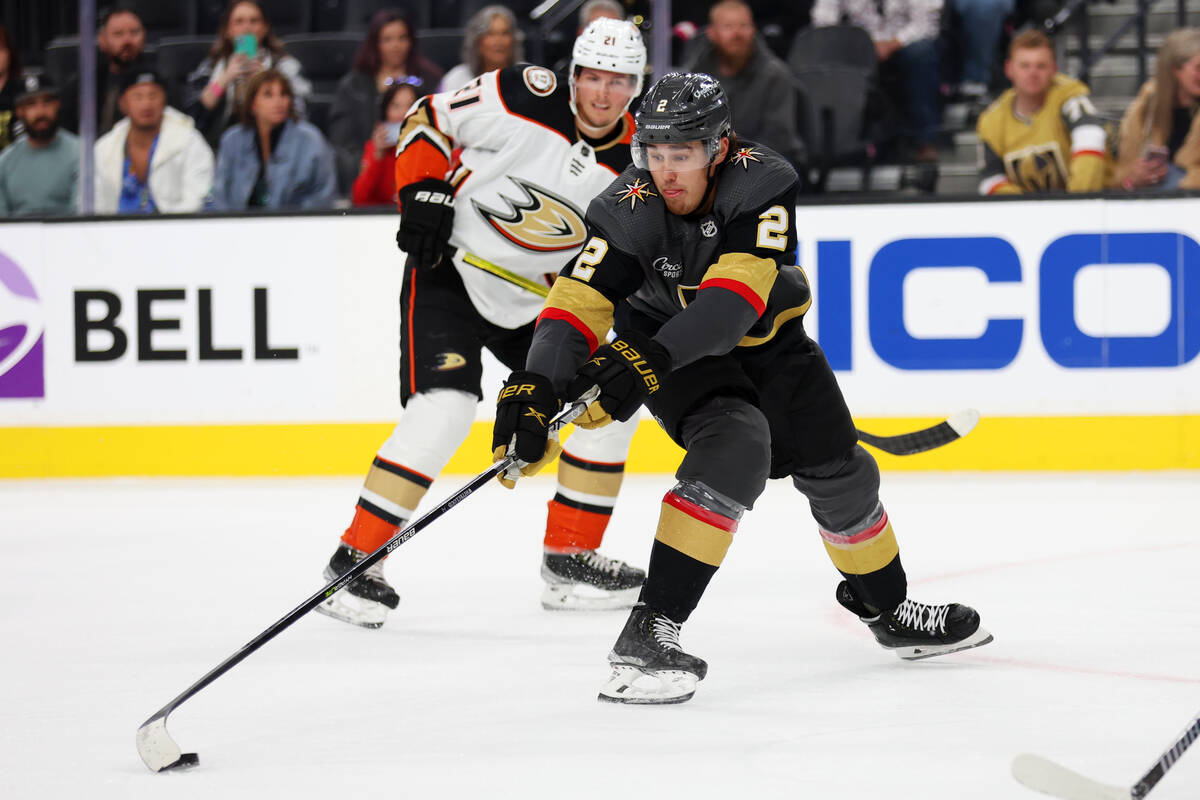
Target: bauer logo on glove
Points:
(627, 371)
(436, 198)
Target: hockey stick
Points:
(1045, 776)
(904, 444)
(504, 274)
(156, 747)
(953, 428)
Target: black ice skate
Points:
(915, 630)
(588, 581)
(364, 601)
(648, 665)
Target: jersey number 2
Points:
(593, 254)
(772, 231)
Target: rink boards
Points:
(269, 345)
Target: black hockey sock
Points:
(883, 589)
(675, 582)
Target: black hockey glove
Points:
(426, 216)
(522, 429)
(628, 369)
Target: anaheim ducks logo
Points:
(449, 361)
(744, 156)
(540, 220)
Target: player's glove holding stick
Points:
(523, 413)
(627, 370)
(426, 217)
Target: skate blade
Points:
(635, 686)
(355, 610)
(580, 597)
(978, 639)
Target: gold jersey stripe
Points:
(864, 557)
(758, 274)
(692, 537)
(584, 303)
(400, 491)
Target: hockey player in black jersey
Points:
(698, 238)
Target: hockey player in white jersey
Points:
(501, 169)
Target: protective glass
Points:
(673, 156)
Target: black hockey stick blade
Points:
(160, 752)
(951, 429)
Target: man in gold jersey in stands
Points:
(1043, 134)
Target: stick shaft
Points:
(1167, 760)
(283, 623)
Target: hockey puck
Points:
(184, 761)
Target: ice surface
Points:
(117, 595)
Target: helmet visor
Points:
(673, 156)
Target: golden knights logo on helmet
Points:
(541, 220)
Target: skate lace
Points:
(666, 632)
(601, 563)
(919, 616)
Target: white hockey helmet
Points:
(613, 45)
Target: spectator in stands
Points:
(905, 34)
(588, 12)
(244, 46)
(982, 27)
(1160, 132)
(376, 181)
(388, 55)
(599, 9)
(757, 83)
(39, 172)
(272, 159)
(1043, 134)
(492, 41)
(10, 66)
(121, 40)
(154, 160)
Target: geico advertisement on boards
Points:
(198, 321)
(1034, 308)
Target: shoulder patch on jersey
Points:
(638, 190)
(745, 155)
(540, 80)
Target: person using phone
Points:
(1160, 132)
(244, 46)
(376, 181)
